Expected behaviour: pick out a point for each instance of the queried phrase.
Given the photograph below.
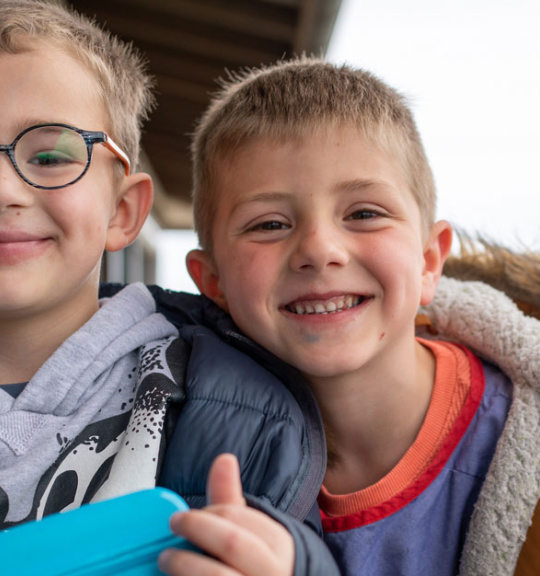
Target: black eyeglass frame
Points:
(90, 138)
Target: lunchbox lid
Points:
(121, 536)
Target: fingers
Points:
(181, 563)
(241, 540)
(232, 536)
(224, 485)
(197, 527)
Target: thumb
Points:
(224, 485)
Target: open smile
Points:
(326, 306)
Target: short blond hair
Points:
(119, 70)
(295, 98)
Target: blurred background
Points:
(470, 68)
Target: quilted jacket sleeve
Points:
(312, 557)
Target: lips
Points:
(16, 236)
(19, 245)
(326, 306)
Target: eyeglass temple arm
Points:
(115, 149)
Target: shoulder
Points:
(236, 405)
(178, 307)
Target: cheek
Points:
(241, 289)
(400, 272)
(83, 217)
(247, 287)
(247, 271)
(395, 258)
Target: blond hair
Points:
(295, 98)
(120, 73)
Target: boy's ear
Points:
(203, 272)
(436, 251)
(132, 208)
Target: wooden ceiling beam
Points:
(192, 69)
(250, 17)
(174, 86)
(169, 38)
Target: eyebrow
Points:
(269, 196)
(356, 185)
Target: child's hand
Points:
(242, 541)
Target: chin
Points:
(315, 370)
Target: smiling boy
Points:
(320, 254)
(57, 233)
(72, 367)
(341, 263)
(315, 209)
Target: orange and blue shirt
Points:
(414, 520)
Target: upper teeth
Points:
(326, 306)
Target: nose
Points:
(319, 246)
(14, 191)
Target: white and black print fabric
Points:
(103, 434)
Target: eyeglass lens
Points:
(51, 155)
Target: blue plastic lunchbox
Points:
(121, 537)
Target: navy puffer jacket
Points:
(241, 399)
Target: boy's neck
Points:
(372, 421)
(26, 343)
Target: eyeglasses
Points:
(51, 156)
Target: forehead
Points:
(48, 85)
(338, 152)
(229, 142)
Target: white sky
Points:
(471, 70)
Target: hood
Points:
(517, 274)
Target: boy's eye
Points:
(363, 214)
(269, 226)
(51, 158)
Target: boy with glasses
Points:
(71, 367)
(88, 388)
